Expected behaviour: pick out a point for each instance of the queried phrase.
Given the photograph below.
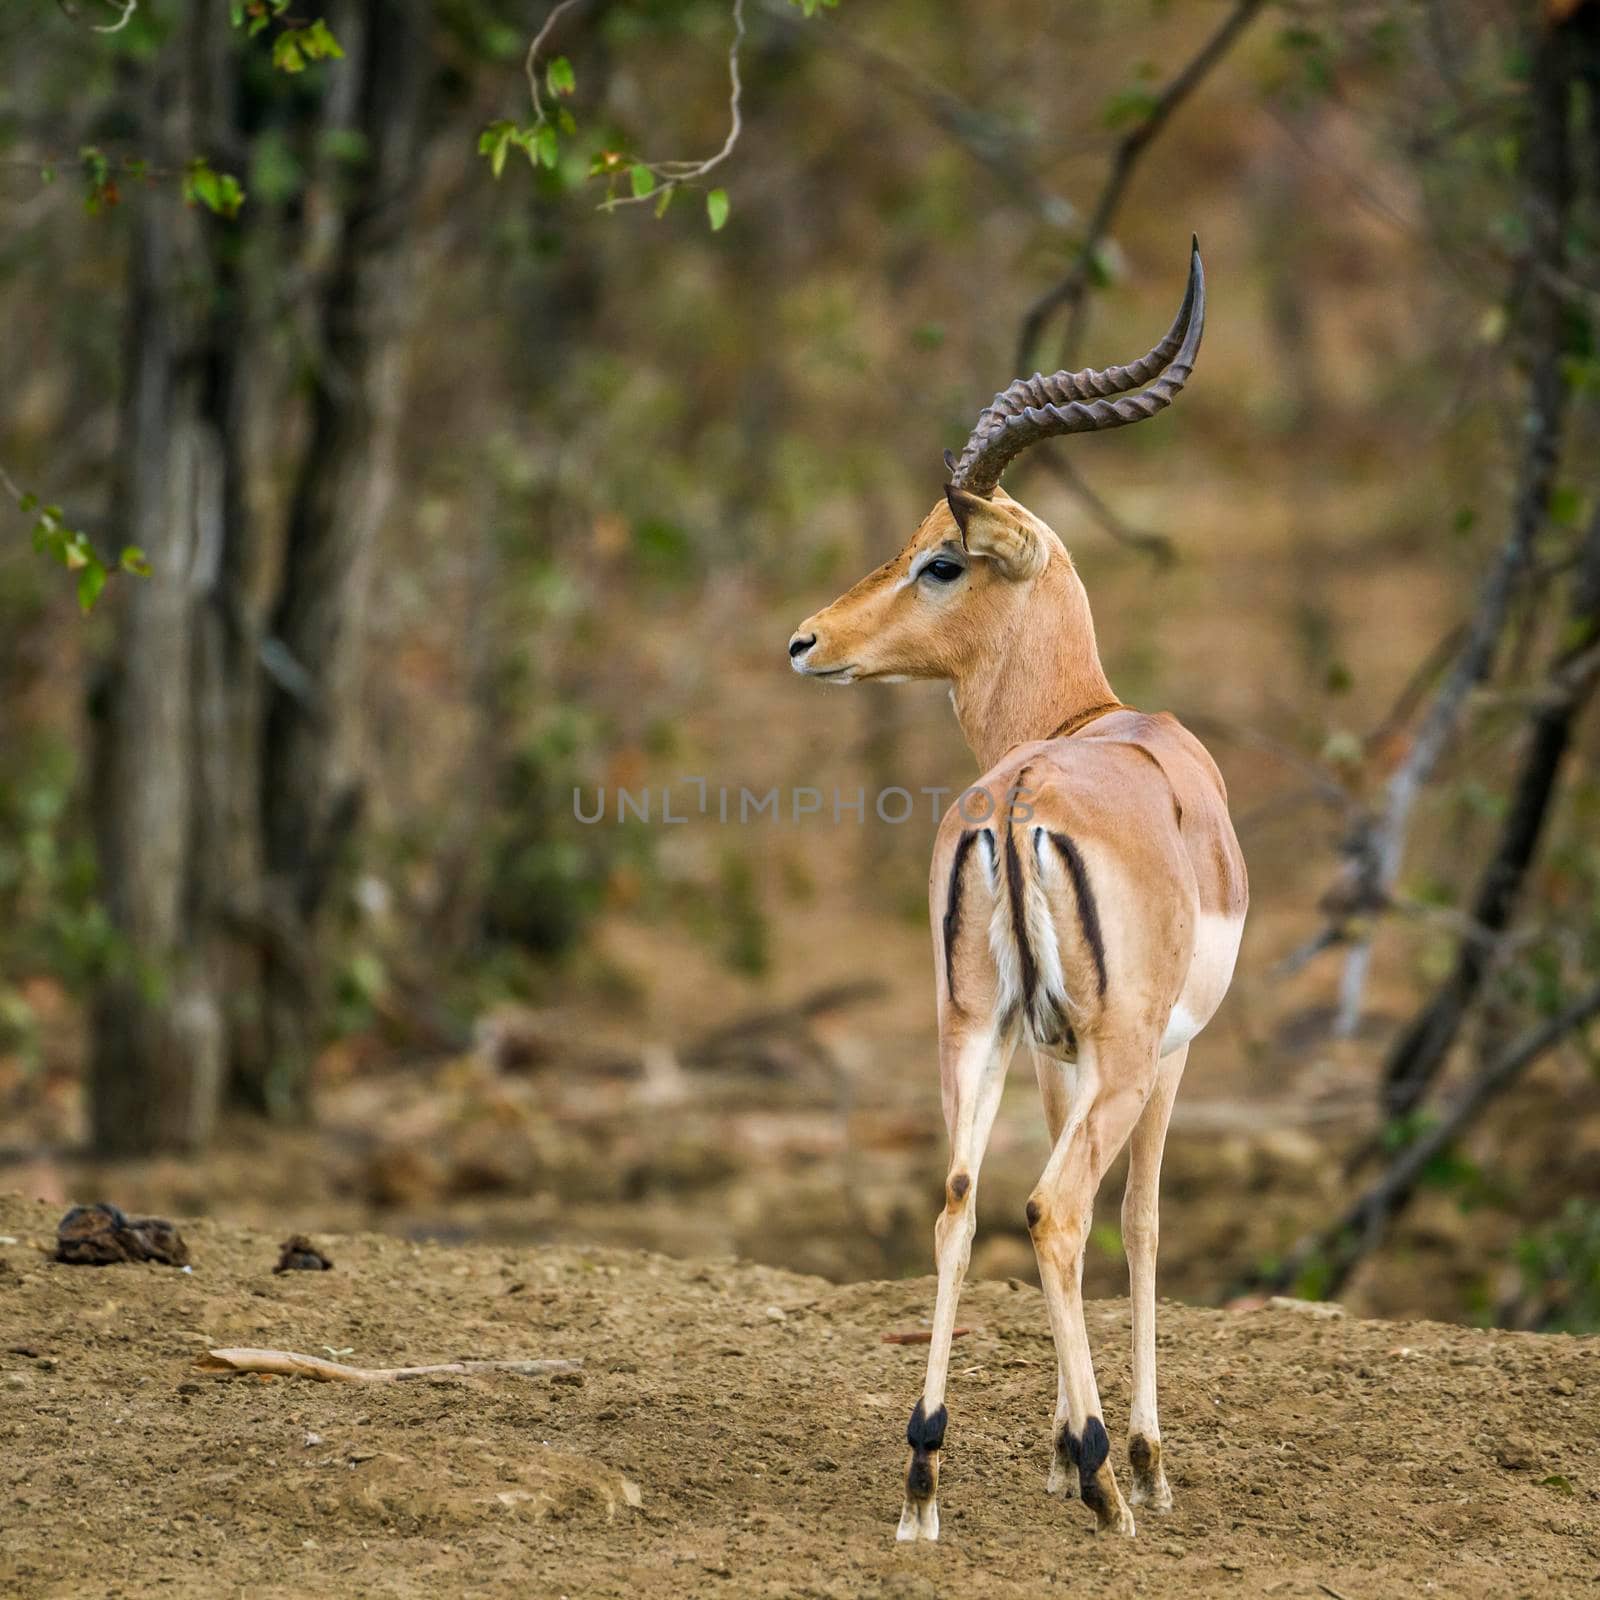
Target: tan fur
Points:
(1114, 883)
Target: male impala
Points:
(1096, 911)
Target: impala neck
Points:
(1043, 672)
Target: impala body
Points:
(1095, 913)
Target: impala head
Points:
(979, 557)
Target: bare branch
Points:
(1157, 546)
(1001, 149)
(1362, 1228)
(128, 9)
(1072, 290)
(1550, 183)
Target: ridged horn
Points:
(1038, 408)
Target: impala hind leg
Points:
(1140, 1232)
(973, 1067)
(1110, 1095)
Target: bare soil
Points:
(756, 1417)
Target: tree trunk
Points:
(222, 797)
(158, 1028)
(310, 785)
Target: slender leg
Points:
(1140, 1232)
(1057, 1081)
(1112, 1090)
(973, 1065)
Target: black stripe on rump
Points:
(1027, 970)
(952, 909)
(1088, 912)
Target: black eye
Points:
(942, 571)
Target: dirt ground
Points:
(756, 1418)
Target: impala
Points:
(1096, 912)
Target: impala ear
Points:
(992, 529)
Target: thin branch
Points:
(530, 65)
(1419, 1053)
(1072, 290)
(128, 9)
(671, 172)
(1003, 150)
(1362, 1228)
(1549, 178)
(1157, 546)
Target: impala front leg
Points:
(973, 1067)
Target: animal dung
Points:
(298, 1254)
(102, 1236)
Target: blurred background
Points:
(461, 496)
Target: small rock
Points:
(102, 1236)
(1516, 1453)
(298, 1254)
(312, 1440)
(777, 1314)
(632, 1493)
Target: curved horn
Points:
(1077, 402)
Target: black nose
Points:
(800, 644)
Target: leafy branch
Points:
(629, 179)
(299, 41)
(73, 548)
(102, 176)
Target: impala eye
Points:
(943, 571)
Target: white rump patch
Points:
(1181, 1028)
(1216, 948)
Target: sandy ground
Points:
(756, 1417)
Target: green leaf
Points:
(91, 581)
(319, 43)
(665, 200)
(286, 56)
(135, 561)
(559, 77)
(547, 145)
(497, 157)
(642, 179)
(717, 209)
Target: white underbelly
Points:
(1216, 948)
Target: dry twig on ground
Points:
(291, 1364)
